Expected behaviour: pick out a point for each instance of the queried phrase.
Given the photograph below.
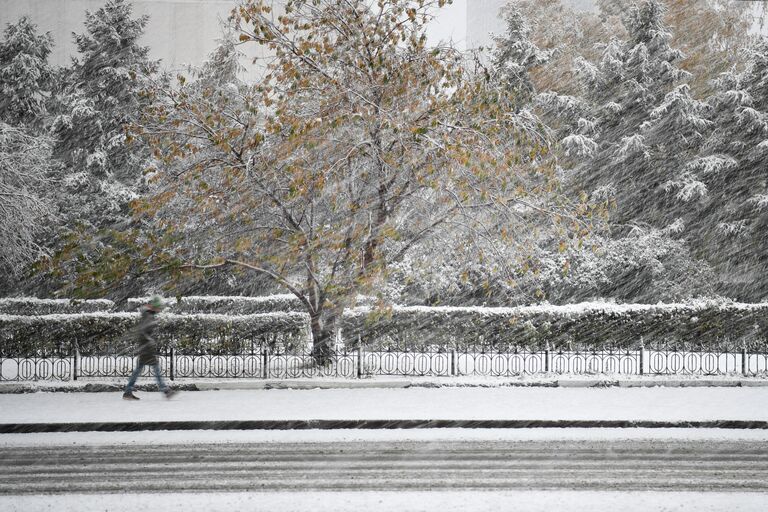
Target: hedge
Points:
(692, 324)
(226, 305)
(35, 306)
(230, 305)
(596, 324)
(31, 306)
(114, 332)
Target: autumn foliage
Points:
(359, 143)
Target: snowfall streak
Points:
(627, 465)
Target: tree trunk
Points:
(323, 327)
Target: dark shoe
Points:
(170, 393)
(130, 396)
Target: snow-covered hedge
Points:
(203, 304)
(584, 324)
(229, 305)
(578, 325)
(234, 305)
(113, 332)
(35, 306)
(226, 305)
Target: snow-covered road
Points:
(592, 469)
(629, 465)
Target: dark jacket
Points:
(147, 346)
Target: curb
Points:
(91, 387)
(36, 428)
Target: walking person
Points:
(147, 348)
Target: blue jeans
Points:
(135, 375)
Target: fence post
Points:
(76, 361)
(453, 362)
(546, 358)
(264, 363)
(744, 365)
(642, 356)
(359, 358)
(172, 366)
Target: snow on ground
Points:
(400, 381)
(657, 404)
(460, 501)
(189, 437)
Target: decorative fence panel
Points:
(506, 363)
(682, 362)
(604, 360)
(342, 364)
(756, 364)
(220, 366)
(267, 362)
(425, 362)
(43, 367)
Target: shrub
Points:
(233, 305)
(35, 306)
(585, 325)
(113, 332)
(577, 325)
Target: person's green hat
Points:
(155, 303)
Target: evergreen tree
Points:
(639, 137)
(515, 55)
(110, 264)
(628, 138)
(100, 97)
(25, 76)
(26, 177)
(732, 231)
(709, 33)
(103, 97)
(661, 154)
(615, 135)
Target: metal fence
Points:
(260, 362)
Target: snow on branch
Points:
(712, 164)
(732, 229)
(579, 145)
(561, 104)
(759, 202)
(631, 146)
(688, 188)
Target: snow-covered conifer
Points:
(629, 135)
(733, 232)
(515, 54)
(641, 125)
(25, 76)
(97, 99)
(102, 96)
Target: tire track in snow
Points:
(459, 465)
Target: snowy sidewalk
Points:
(427, 501)
(461, 404)
(394, 382)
